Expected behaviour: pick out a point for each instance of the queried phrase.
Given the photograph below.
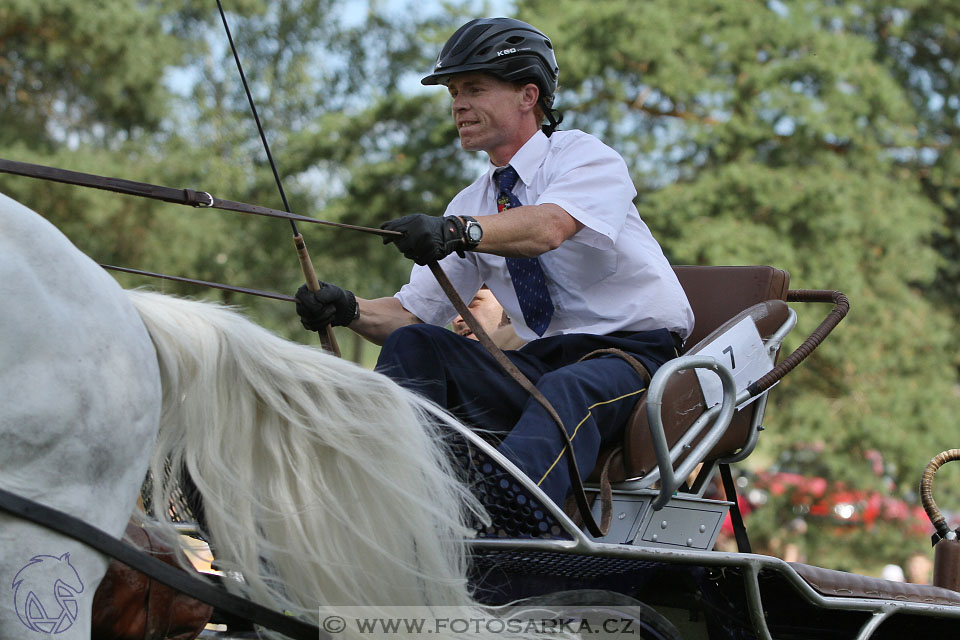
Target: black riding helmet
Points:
(512, 50)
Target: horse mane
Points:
(323, 483)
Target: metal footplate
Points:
(689, 523)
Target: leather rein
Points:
(203, 199)
(77, 529)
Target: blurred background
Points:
(819, 137)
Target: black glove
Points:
(427, 238)
(328, 305)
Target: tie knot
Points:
(506, 178)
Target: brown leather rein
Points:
(189, 197)
(203, 199)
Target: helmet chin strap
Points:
(554, 117)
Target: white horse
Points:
(323, 483)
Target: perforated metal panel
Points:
(515, 512)
(548, 563)
(185, 506)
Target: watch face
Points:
(474, 232)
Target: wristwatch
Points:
(472, 232)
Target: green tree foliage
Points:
(83, 88)
(920, 43)
(71, 74)
(151, 93)
(775, 133)
(350, 143)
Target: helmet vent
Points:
(515, 39)
(484, 51)
(548, 43)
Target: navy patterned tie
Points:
(529, 281)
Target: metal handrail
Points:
(670, 479)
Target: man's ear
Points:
(529, 94)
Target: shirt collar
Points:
(527, 159)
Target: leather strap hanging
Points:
(606, 491)
(736, 516)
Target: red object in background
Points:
(745, 508)
(799, 474)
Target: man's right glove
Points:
(426, 238)
(328, 305)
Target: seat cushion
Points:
(683, 401)
(828, 582)
(717, 294)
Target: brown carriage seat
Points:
(720, 297)
(829, 582)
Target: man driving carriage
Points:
(551, 229)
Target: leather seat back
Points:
(720, 297)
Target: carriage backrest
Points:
(717, 294)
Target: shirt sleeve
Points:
(590, 181)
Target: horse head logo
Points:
(45, 593)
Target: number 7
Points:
(733, 363)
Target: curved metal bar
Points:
(756, 426)
(878, 618)
(669, 477)
(772, 345)
(206, 202)
(754, 599)
(683, 442)
(774, 342)
(841, 305)
(926, 494)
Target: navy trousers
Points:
(593, 398)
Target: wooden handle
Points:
(327, 340)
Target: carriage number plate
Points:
(741, 350)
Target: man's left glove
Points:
(427, 238)
(328, 305)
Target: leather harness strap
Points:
(205, 200)
(606, 492)
(173, 577)
(576, 483)
(189, 197)
(736, 516)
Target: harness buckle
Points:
(207, 204)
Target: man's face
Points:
(490, 114)
(485, 309)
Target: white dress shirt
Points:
(609, 276)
